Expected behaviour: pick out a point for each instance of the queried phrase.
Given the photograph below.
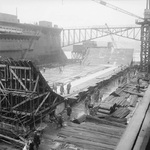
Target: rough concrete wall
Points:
(47, 49)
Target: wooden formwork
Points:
(25, 96)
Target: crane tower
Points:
(145, 33)
(145, 40)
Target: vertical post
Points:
(84, 34)
(68, 36)
(74, 37)
(79, 35)
(25, 77)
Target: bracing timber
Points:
(25, 97)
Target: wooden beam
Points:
(22, 113)
(54, 100)
(18, 79)
(2, 85)
(2, 65)
(8, 118)
(12, 139)
(28, 99)
(41, 103)
(20, 67)
(36, 83)
(134, 93)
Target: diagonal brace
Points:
(18, 79)
(41, 103)
(28, 99)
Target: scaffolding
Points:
(25, 97)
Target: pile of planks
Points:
(121, 113)
(105, 109)
(91, 136)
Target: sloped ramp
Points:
(122, 56)
(104, 55)
(97, 56)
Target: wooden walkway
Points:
(91, 136)
(101, 131)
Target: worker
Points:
(36, 140)
(31, 145)
(68, 88)
(59, 121)
(138, 85)
(55, 87)
(100, 96)
(66, 102)
(26, 146)
(69, 111)
(44, 69)
(60, 69)
(87, 102)
(62, 89)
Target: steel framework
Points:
(25, 97)
(78, 35)
(145, 47)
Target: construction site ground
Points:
(80, 76)
(102, 132)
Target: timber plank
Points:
(103, 121)
(91, 134)
(100, 130)
(79, 141)
(93, 126)
(90, 137)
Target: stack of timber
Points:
(105, 109)
(103, 128)
(91, 136)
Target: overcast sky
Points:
(70, 13)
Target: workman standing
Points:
(55, 87)
(69, 111)
(31, 145)
(59, 121)
(68, 88)
(87, 101)
(61, 89)
(36, 140)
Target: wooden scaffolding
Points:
(25, 97)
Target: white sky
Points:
(72, 13)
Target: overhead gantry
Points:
(71, 36)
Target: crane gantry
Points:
(73, 36)
(145, 33)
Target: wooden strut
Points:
(12, 139)
(41, 103)
(28, 99)
(37, 80)
(134, 93)
(18, 79)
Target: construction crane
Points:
(117, 8)
(145, 33)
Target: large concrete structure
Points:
(8, 18)
(45, 50)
